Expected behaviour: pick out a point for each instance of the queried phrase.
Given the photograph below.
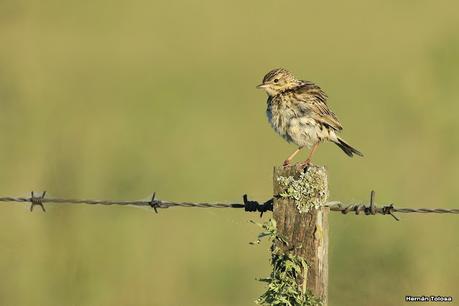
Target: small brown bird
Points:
(298, 111)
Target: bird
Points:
(298, 111)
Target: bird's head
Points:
(277, 81)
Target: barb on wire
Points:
(37, 200)
(255, 206)
(248, 205)
(154, 204)
(371, 209)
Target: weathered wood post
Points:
(302, 222)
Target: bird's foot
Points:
(286, 163)
(303, 165)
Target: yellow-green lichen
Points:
(310, 190)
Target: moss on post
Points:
(287, 268)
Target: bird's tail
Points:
(350, 151)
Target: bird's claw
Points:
(303, 165)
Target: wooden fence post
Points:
(306, 233)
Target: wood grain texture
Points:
(306, 234)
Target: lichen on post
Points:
(302, 223)
(309, 190)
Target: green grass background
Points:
(117, 99)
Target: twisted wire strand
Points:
(248, 205)
(160, 203)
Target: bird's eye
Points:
(276, 80)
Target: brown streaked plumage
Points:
(298, 111)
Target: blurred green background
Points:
(117, 99)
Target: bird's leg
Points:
(287, 161)
(308, 160)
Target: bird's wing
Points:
(316, 101)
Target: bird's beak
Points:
(261, 86)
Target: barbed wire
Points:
(248, 205)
